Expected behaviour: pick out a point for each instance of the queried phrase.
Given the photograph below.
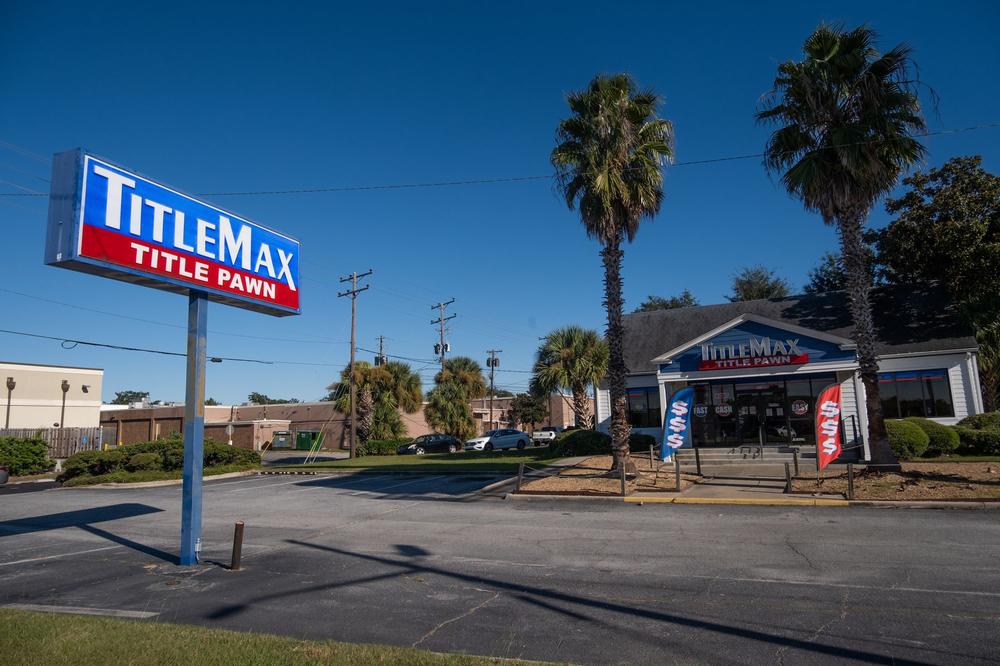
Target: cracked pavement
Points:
(436, 565)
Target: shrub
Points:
(979, 442)
(143, 461)
(985, 421)
(379, 447)
(24, 455)
(161, 455)
(907, 439)
(580, 443)
(943, 439)
(640, 443)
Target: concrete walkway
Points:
(739, 491)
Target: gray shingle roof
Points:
(914, 318)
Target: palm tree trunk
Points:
(581, 408)
(859, 288)
(613, 302)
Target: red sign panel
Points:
(828, 414)
(753, 362)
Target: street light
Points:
(10, 389)
(62, 415)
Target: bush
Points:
(640, 443)
(380, 447)
(580, 443)
(986, 421)
(165, 455)
(943, 439)
(907, 439)
(143, 461)
(978, 442)
(24, 455)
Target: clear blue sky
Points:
(210, 98)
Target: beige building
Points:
(560, 410)
(37, 396)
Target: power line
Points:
(163, 323)
(71, 343)
(511, 179)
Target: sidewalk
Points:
(739, 491)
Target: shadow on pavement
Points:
(543, 597)
(84, 519)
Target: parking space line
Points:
(399, 485)
(81, 610)
(362, 478)
(269, 484)
(52, 557)
(228, 482)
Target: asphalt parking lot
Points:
(429, 560)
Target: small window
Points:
(918, 393)
(643, 407)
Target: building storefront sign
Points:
(758, 352)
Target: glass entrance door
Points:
(761, 415)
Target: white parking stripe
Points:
(80, 610)
(269, 484)
(362, 478)
(52, 557)
(399, 485)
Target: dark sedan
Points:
(431, 444)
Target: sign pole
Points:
(194, 428)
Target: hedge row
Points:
(161, 455)
(594, 443)
(380, 447)
(25, 455)
(977, 435)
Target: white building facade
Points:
(47, 396)
(757, 367)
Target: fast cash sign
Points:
(113, 222)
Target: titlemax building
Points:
(757, 367)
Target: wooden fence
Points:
(64, 442)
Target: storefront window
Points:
(644, 407)
(919, 393)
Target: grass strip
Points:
(40, 638)
(122, 476)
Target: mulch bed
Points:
(918, 481)
(587, 479)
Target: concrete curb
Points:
(903, 504)
(529, 497)
(156, 484)
(375, 472)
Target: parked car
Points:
(432, 443)
(546, 435)
(506, 438)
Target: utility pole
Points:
(381, 358)
(353, 293)
(492, 362)
(442, 347)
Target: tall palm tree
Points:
(382, 391)
(466, 373)
(571, 358)
(608, 162)
(847, 115)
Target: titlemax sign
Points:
(107, 220)
(757, 352)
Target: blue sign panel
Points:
(106, 220)
(751, 344)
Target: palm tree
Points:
(465, 372)
(608, 161)
(571, 358)
(382, 391)
(448, 411)
(847, 115)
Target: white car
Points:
(506, 438)
(546, 435)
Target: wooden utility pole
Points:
(492, 362)
(381, 359)
(441, 347)
(353, 293)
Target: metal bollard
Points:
(520, 476)
(850, 481)
(234, 564)
(677, 474)
(697, 460)
(795, 458)
(788, 479)
(622, 470)
(650, 457)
